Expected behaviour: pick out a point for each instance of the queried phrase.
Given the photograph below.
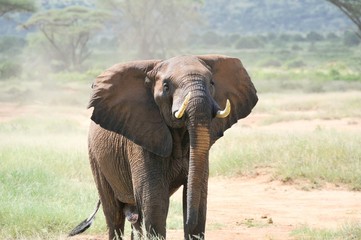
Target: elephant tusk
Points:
(179, 114)
(225, 112)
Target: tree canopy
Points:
(67, 32)
(352, 9)
(11, 6)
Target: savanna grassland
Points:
(298, 139)
(290, 170)
(305, 133)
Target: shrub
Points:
(332, 37)
(285, 37)
(350, 39)
(334, 74)
(249, 43)
(271, 63)
(314, 37)
(9, 69)
(296, 47)
(211, 38)
(298, 38)
(296, 64)
(11, 46)
(234, 37)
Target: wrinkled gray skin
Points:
(140, 153)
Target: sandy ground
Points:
(256, 207)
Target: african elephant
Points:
(152, 126)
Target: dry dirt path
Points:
(256, 208)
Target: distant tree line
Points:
(238, 41)
(144, 28)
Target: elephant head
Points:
(205, 95)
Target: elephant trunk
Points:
(197, 175)
(199, 113)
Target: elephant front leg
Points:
(151, 192)
(155, 214)
(153, 210)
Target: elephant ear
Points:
(231, 81)
(123, 104)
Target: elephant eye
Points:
(166, 87)
(212, 88)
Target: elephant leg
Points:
(155, 218)
(153, 203)
(151, 192)
(151, 220)
(112, 207)
(199, 231)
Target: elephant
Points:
(153, 124)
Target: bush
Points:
(249, 43)
(298, 38)
(271, 63)
(296, 64)
(11, 45)
(211, 38)
(234, 38)
(296, 47)
(285, 37)
(332, 37)
(9, 69)
(314, 37)
(350, 39)
(334, 74)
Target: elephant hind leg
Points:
(112, 207)
(115, 219)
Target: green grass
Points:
(351, 231)
(299, 155)
(46, 186)
(45, 183)
(326, 106)
(296, 153)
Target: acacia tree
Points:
(152, 28)
(67, 33)
(11, 6)
(352, 9)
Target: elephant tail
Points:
(84, 225)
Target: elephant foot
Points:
(131, 213)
